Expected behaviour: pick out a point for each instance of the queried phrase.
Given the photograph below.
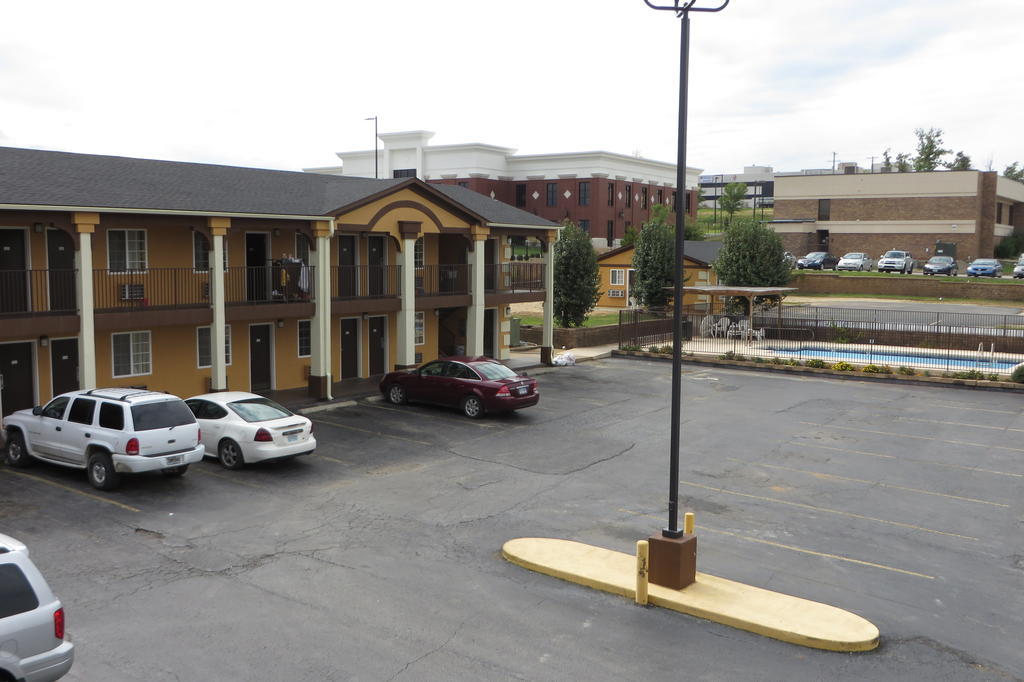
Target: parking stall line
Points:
(962, 467)
(973, 409)
(949, 423)
(876, 484)
(907, 435)
(794, 548)
(332, 459)
(370, 432)
(827, 510)
(126, 507)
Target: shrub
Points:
(872, 369)
(926, 373)
(792, 362)
(629, 346)
(778, 361)
(969, 374)
(843, 366)
(815, 362)
(654, 349)
(759, 360)
(732, 355)
(907, 371)
(1018, 374)
(993, 377)
(667, 349)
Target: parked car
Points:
(817, 260)
(855, 261)
(108, 432)
(242, 428)
(941, 265)
(985, 267)
(474, 385)
(896, 261)
(1018, 269)
(34, 646)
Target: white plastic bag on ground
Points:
(564, 360)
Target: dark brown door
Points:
(13, 283)
(259, 357)
(64, 365)
(375, 259)
(16, 376)
(347, 266)
(377, 344)
(349, 348)
(257, 268)
(60, 260)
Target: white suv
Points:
(896, 261)
(33, 646)
(107, 432)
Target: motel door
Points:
(16, 377)
(64, 365)
(375, 259)
(60, 259)
(259, 357)
(350, 348)
(377, 344)
(13, 283)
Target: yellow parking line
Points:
(909, 459)
(836, 477)
(802, 550)
(827, 510)
(73, 490)
(372, 433)
(907, 435)
(949, 423)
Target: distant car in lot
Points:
(941, 265)
(108, 432)
(855, 261)
(1018, 269)
(896, 261)
(474, 385)
(985, 267)
(817, 260)
(242, 428)
(34, 646)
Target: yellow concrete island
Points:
(780, 616)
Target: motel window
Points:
(611, 193)
(417, 253)
(419, 335)
(661, 196)
(824, 209)
(629, 196)
(203, 340)
(643, 198)
(404, 173)
(520, 195)
(584, 194)
(618, 277)
(585, 226)
(552, 196)
(131, 353)
(201, 252)
(126, 250)
(305, 341)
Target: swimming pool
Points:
(945, 362)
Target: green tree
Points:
(929, 149)
(752, 256)
(1015, 172)
(886, 162)
(732, 198)
(577, 282)
(961, 162)
(903, 163)
(654, 259)
(629, 238)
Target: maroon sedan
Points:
(474, 385)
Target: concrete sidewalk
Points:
(529, 358)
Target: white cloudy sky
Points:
(285, 84)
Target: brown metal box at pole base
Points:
(673, 561)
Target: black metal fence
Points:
(893, 338)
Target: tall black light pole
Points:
(376, 172)
(682, 8)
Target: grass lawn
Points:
(592, 321)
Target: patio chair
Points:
(739, 329)
(705, 326)
(721, 328)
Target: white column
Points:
(406, 352)
(547, 333)
(320, 331)
(86, 318)
(475, 311)
(219, 369)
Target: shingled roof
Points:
(32, 177)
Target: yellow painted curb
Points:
(779, 616)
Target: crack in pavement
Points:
(429, 653)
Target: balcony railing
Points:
(514, 278)
(37, 292)
(364, 281)
(153, 288)
(273, 283)
(442, 280)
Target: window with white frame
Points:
(131, 354)
(203, 346)
(305, 339)
(419, 335)
(126, 250)
(616, 293)
(618, 277)
(201, 248)
(417, 253)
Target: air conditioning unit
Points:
(133, 292)
(616, 293)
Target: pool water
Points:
(951, 362)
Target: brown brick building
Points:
(970, 211)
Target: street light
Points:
(376, 173)
(682, 8)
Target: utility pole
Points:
(833, 162)
(873, 163)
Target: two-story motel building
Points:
(128, 272)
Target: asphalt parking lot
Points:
(378, 558)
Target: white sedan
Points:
(241, 428)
